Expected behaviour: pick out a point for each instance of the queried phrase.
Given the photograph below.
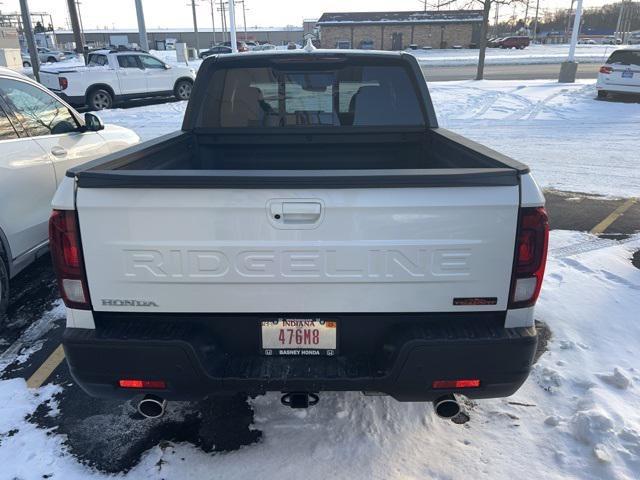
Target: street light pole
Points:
(142, 29)
(575, 32)
(232, 26)
(195, 26)
(569, 68)
(27, 31)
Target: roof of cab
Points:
(7, 72)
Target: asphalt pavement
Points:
(507, 72)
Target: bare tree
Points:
(486, 6)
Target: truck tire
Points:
(4, 288)
(52, 59)
(603, 94)
(182, 90)
(99, 99)
(26, 64)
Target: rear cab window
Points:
(97, 59)
(285, 95)
(625, 57)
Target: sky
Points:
(263, 13)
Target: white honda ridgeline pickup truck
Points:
(309, 229)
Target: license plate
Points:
(299, 336)
(627, 74)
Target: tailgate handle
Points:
(295, 212)
(300, 212)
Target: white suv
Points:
(40, 138)
(621, 73)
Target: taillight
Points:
(531, 257)
(63, 82)
(66, 251)
(606, 70)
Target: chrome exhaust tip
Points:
(446, 406)
(152, 406)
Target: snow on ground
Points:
(570, 140)
(530, 55)
(577, 417)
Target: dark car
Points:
(220, 49)
(514, 42)
(242, 47)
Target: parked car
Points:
(46, 55)
(620, 73)
(292, 46)
(219, 50)
(113, 76)
(611, 40)
(587, 41)
(263, 47)
(494, 42)
(26, 59)
(634, 38)
(242, 47)
(40, 138)
(251, 45)
(514, 42)
(297, 244)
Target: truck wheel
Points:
(52, 59)
(26, 64)
(4, 289)
(100, 99)
(602, 94)
(183, 88)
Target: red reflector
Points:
(63, 82)
(157, 384)
(452, 384)
(606, 70)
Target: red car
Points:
(514, 42)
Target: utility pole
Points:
(27, 31)
(535, 22)
(223, 15)
(195, 26)
(144, 42)
(232, 26)
(617, 32)
(213, 20)
(569, 68)
(75, 26)
(244, 20)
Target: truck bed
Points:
(407, 159)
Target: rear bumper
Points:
(401, 359)
(618, 87)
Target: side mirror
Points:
(93, 122)
(167, 66)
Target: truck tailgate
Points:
(49, 79)
(298, 250)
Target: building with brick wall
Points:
(398, 30)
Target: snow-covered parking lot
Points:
(577, 417)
